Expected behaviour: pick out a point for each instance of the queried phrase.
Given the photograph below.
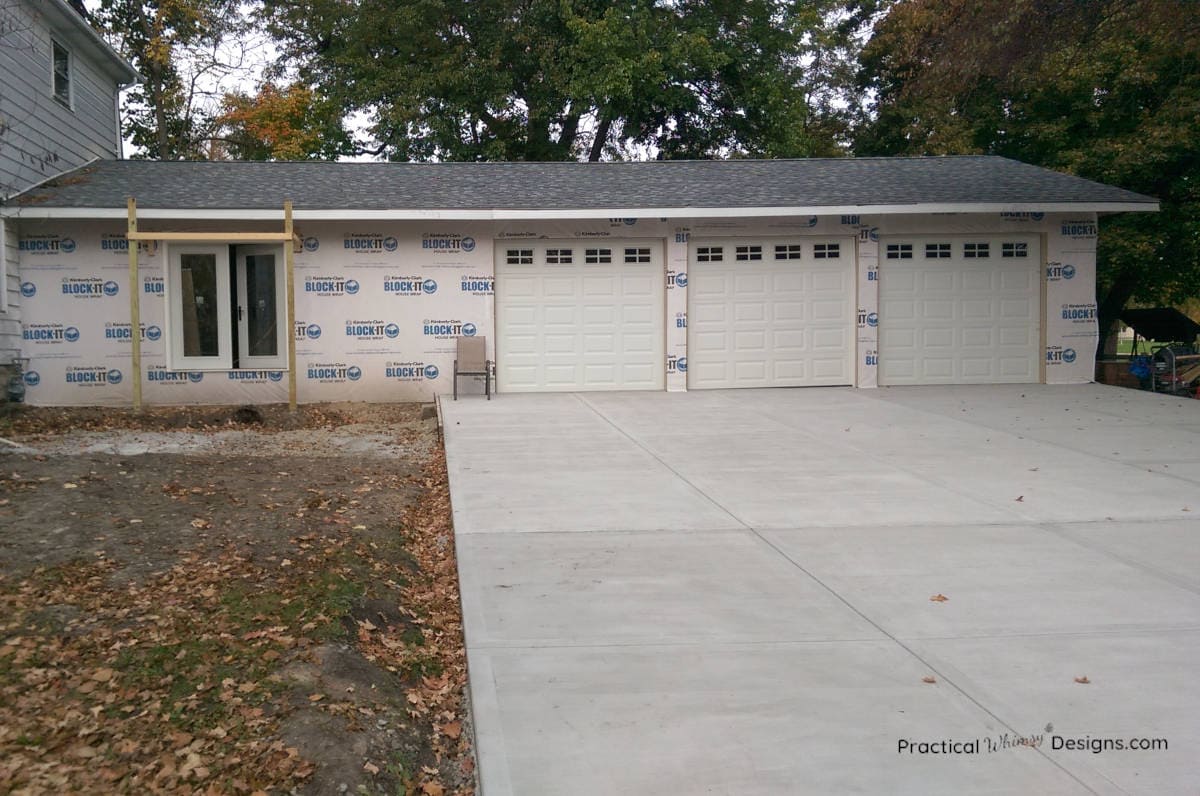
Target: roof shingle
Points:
(830, 182)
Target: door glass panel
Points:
(262, 339)
(198, 297)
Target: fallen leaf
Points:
(1020, 498)
(69, 485)
(316, 697)
(1082, 680)
(452, 730)
(433, 789)
(102, 675)
(370, 767)
(201, 523)
(938, 598)
(928, 679)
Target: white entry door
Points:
(771, 313)
(261, 307)
(580, 315)
(959, 310)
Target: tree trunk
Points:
(602, 130)
(1109, 311)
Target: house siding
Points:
(39, 136)
(10, 294)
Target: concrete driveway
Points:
(729, 591)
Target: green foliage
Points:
(1107, 89)
(563, 79)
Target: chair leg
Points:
(487, 383)
(456, 379)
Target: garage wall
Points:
(424, 283)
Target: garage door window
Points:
(976, 250)
(899, 251)
(937, 251)
(637, 255)
(559, 256)
(788, 251)
(827, 251)
(1014, 249)
(710, 254)
(597, 256)
(747, 253)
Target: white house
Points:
(59, 89)
(674, 275)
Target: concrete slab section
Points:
(1168, 549)
(1000, 580)
(648, 588)
(759, 719)
(1141, 686)
(728, 592)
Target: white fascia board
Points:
(553, 214)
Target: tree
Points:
(1106, 89)
(182, 50)
(291, 123)
(562, 79)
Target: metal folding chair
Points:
(471, 360)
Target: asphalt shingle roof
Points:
(816, 182)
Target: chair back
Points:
(472, 354)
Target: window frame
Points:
(67, 101)
(172, 287)
(246, 360)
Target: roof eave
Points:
(117, 66)
(555, 214)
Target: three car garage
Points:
(672, 275)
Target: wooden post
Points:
(289, 259)
(135, 313)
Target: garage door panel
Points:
(1019, 281)
(959, 320)
(576, 325)
(938, 310)
(1021, 309)
(978, 281)
(978, 309)
(831, 369)
(788, 340)
(825, 280)
(776, 318)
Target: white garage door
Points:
(956, 310)
(770, 313)
(574, 315)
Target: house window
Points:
(975, 250)
(519, 257)
(594, 256)
(899, 251)
(60, 72)
(937, 251)
(745, 253)
(1014, 249)
(827, 251)
(559, 256)
(787, 251)
(637, 255)
(223, 319)
(710, 254)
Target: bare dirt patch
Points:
(218, 600)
